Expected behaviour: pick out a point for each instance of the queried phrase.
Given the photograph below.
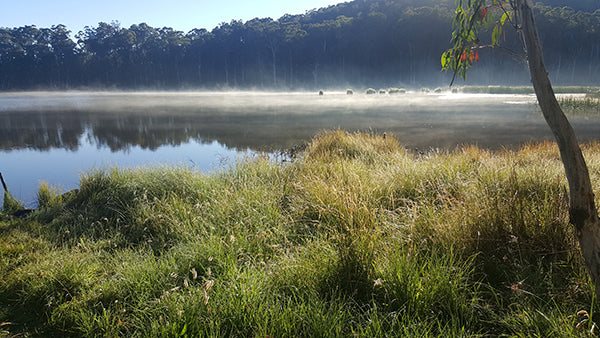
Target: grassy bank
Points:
(585, 105)
(527, 90)
(357, 237)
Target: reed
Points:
(588, 105)
(526, 89)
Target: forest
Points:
(366, 43)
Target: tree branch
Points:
(519, 57)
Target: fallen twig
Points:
(3, 183)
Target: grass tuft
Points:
(11, 204)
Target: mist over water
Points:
(54, 136)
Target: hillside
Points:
(368, 43)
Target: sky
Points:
(183, 15)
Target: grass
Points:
(10, 204)
(589, 105)
(357, 237)
(528, 89)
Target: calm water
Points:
(54, 137)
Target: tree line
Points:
(358, 43)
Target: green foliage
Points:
(356, 237)
(470, 16)
(48, 197)
(372, 35)
(371, 91)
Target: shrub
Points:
(397, 91)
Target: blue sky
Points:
(181, 15)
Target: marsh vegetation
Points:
(357, 236)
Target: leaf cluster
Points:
(471, 16)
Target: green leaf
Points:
(496, 35)
(504, 17)
(472, 36)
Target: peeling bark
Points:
(582, 209)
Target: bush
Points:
(397, 91)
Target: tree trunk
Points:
(582, 210)
(274, 64)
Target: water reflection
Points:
(259, 121)
(55, 136)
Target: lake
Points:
(55, 136)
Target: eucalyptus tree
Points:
(292, 34)
(173, 44)
(195, 52)
(573, 39)
(63, 54)
(228, 45)
(103, 47)
(471, 15)
(272, 35)
(324, 40)
(145, 54)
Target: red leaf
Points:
(477, 56)
(484, 12)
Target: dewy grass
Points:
(587, 105)
(356, 237)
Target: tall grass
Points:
(10, 204)
(356, 237)
(587, 105)
(527, 89)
